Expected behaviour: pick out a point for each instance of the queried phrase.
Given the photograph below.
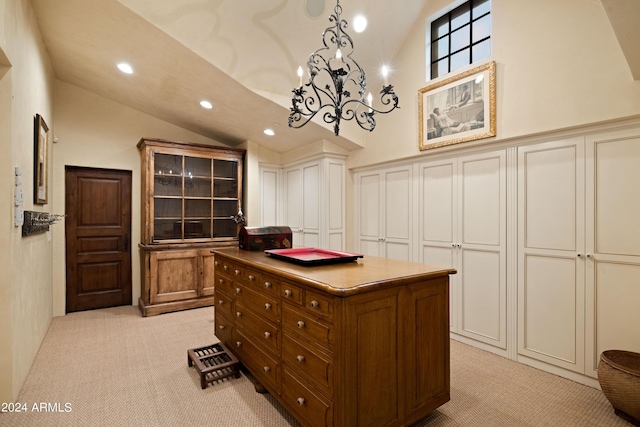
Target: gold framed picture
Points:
(41, 162)
(458, 109)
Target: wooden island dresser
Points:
(363, 343)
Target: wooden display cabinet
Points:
(191, 194)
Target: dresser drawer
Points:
(290, 292)
(264, 305)
(223, 304)
(264, 367)
(310, 328)
(270, 285)
(223, 284)
(262, 332)
(309, 364)
(319, 304)
(223, 329)
(307, 405)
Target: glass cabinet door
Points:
(194, 197)
(225, 198)
(167, 200)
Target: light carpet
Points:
(112, 367)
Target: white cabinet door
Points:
(551, 286)
(613, 244)
(463, 224)
(384, 213)
(481, 246)
(314, 203)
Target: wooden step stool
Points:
(214, 363)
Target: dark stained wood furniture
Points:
(364, 343)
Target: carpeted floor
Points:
(112, 367)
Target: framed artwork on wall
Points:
(41, 161)
(458, 109)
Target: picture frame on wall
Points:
(458, 109)
(41, 162)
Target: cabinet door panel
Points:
(311, 197)
(481, 314)
(293, 179)
(552, 311)
(617, 204)
(617, 295)
(397, 250)
(550, 183)
(437, 202)
(174, 276)
(369, 212)
(397, 204)
(482, 200)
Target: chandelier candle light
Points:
(337, 84)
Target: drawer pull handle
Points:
(238, 290)
(267, 306)
(300, 324)
(221, 302)
(238, 314)
(238, 344)
(266, 369)
(300, 358)
(237, 272)
(267, 334)
(221, 281)
(252, 277)
(226, 267)
(215, 263)
(300, 401)
(315, 304)
(287, 293)
(267, 285)
(221, 327)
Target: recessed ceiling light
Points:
(359, 23)
(269, 132)
(206, 104)
(125, 68)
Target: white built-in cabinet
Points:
(384, 213)
(462, 223)
(579, 249)
(545, 238)
(314, 193)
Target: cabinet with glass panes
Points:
(191, 196)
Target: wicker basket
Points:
(619, 377)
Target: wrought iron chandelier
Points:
(337, 84)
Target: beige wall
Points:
(559, 65)
(95, 132)
(26, 90)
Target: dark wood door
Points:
(98, 236)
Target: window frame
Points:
(449, 14)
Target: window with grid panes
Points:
(460, 37)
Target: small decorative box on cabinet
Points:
(191, 194)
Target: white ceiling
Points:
(242, 55)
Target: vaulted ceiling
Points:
(241, 55)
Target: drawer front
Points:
(223, 330)
(224, 267)
(310, 328)
(290, 292)
(264, 305)
(223, 304)
(308, 364)
(223, 284)
(319, 304)
(263, 366)
(308, 406)
(262, 332)
(270, 285)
